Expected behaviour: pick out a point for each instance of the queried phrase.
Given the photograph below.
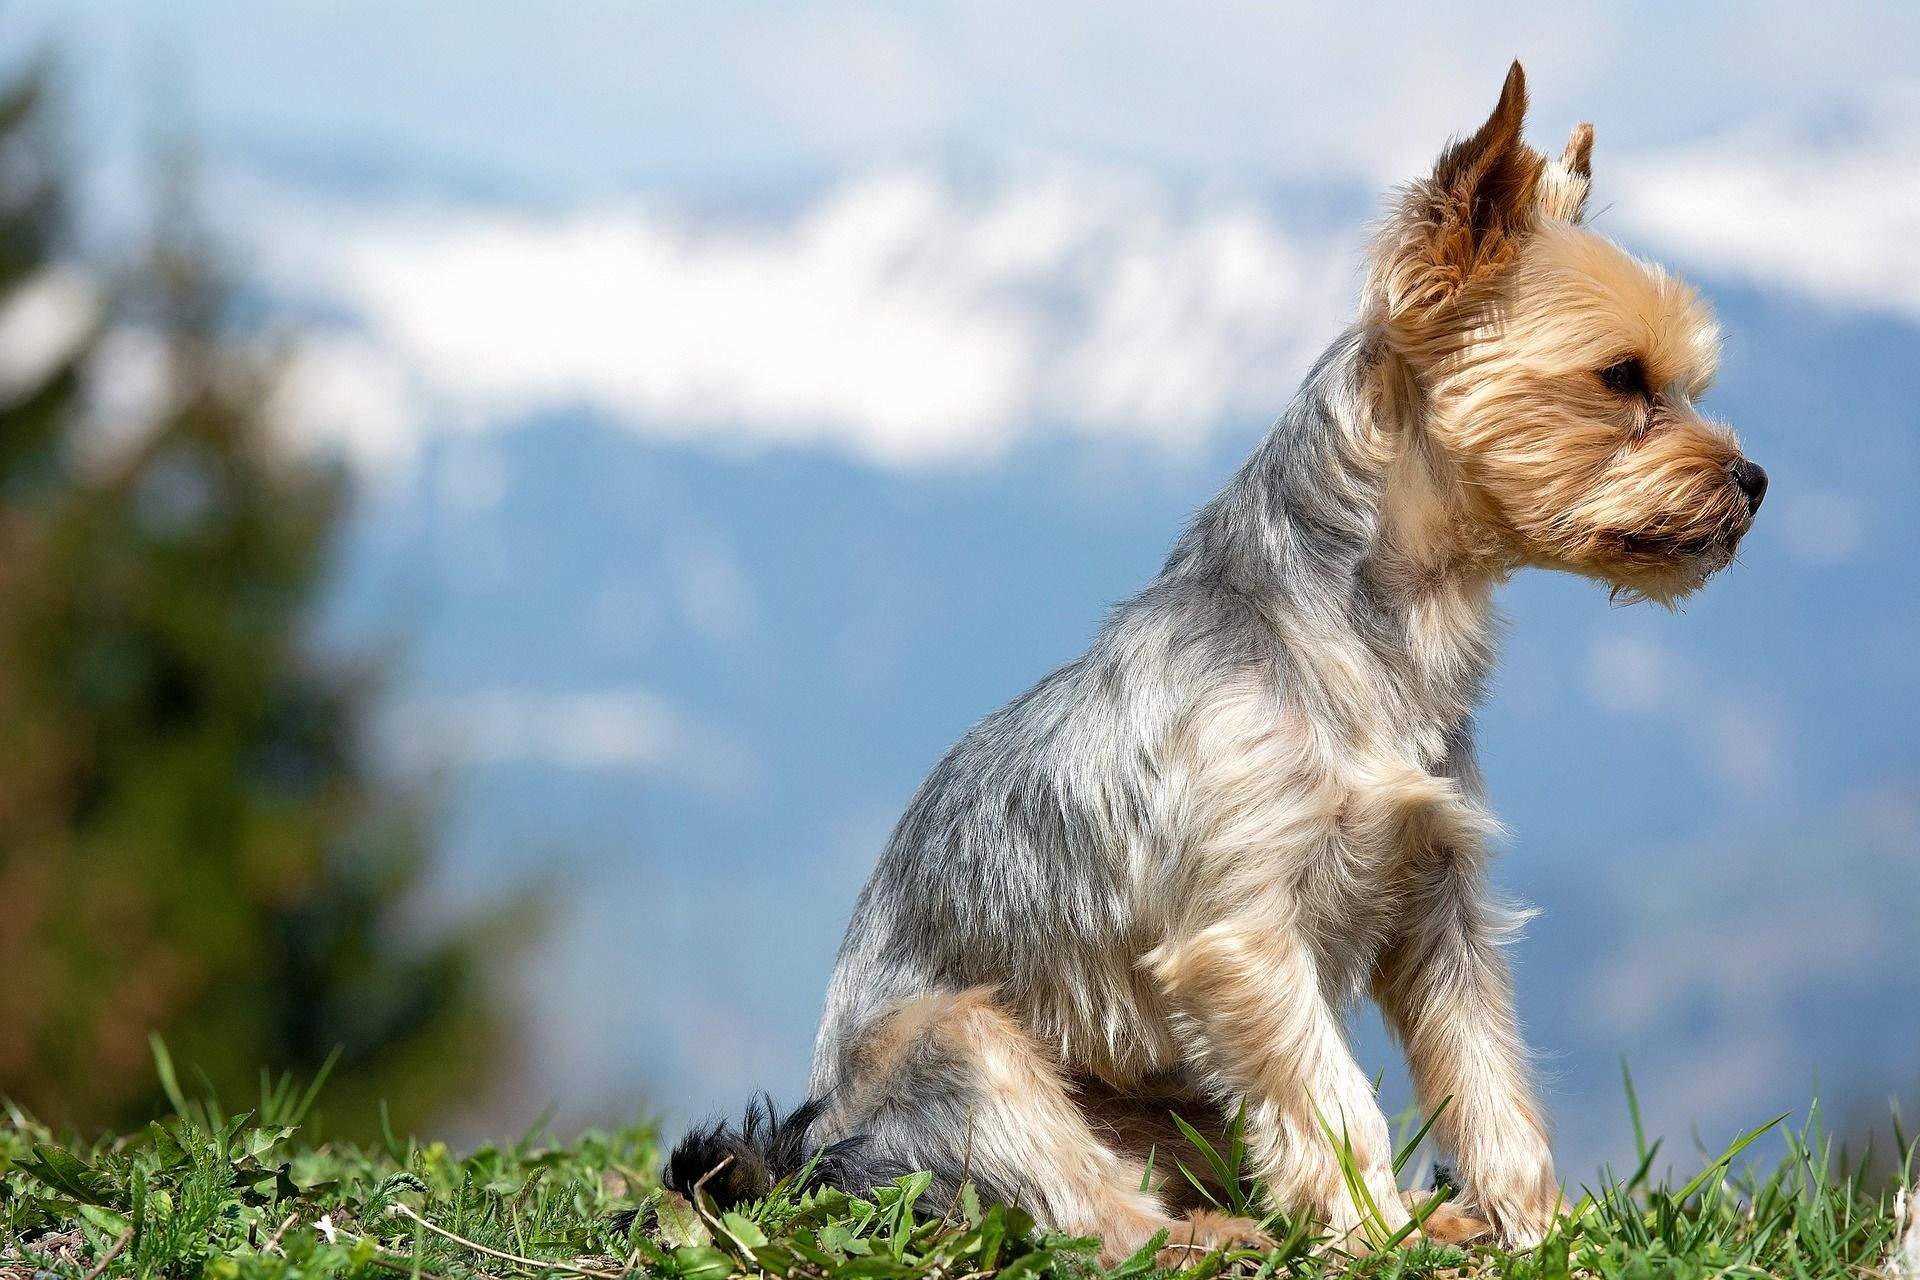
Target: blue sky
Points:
(748, 398)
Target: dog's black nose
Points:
(1752, 481)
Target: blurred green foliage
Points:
(191, 837)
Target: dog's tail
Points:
(731, 1165)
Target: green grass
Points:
(209, 1194)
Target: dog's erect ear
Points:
(1578, 157)
(1461, 225)
(1564, 182)
(1483, 187)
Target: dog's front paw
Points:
(1352, 1226)
(1521, 1215)
(1509, 1181)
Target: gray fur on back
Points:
(1040, 855)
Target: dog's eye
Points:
(1625, 377)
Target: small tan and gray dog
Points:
(1155, 882)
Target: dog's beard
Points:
(1666, 572)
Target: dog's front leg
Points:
(1446, 994)
(1258, 1024)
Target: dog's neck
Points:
(1349, 533)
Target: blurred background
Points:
(500, 504)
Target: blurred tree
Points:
(191, 840)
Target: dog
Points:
(1153, 884)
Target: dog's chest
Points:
(1328, 812)
(1351, 888)
(1396, 799)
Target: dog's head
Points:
(1558, 373)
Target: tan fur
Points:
(1446, 1222)
(1027, 1106)
(1205, 1230)
(1566, 473)
(1564, 182)
(1547, 467)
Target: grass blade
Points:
(1372, 1224)
(1420, 1216)
(1633, 1110)
(1228, 1174)
(305, 1104)
(1198, 1185)
(169, 1082)
(1645, 1166)
(1420, 1136)
(1719, 1166)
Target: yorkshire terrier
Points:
(1154, 883)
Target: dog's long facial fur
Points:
(1558, 372)
(1167, 868)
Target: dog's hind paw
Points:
(1447, 1224)
(1204, 1231)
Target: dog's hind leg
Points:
(953, 1084)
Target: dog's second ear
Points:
(1459, 226)
(1564, 182)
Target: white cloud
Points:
(473, 480)
(623, 615)
(894, 316)
(1747, 743)
(1823, 529)
(722, 96)
(1829, 208)
(126, 388)
(824, 73)
(910, 319)
(344, 388)
(1630, 673)
(43, 323)
(592, 729)
(1739, 736)
(718, 601)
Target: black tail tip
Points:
(730, 1166)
